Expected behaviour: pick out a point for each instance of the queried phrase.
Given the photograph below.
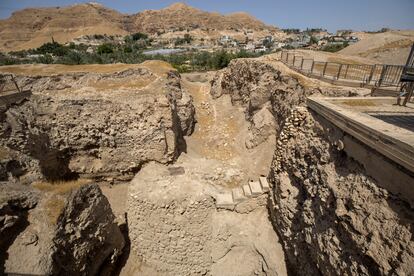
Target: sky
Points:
(328, 14)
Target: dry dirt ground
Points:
(221, 131)
(334, 57)
(391, 47)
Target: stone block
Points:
(247, 192)
(225, 201)
(265, 185)
(255, 188)
(238, 195)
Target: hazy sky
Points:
(330, 14)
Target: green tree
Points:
(105, 48)
(53, 48)
(313, 40)
(139, 36)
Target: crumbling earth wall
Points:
(331, 216)
(57, 234)
(267, 93)
(95, 125)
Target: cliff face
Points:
(332, 218)
(96, 125)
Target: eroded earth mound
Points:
(332, 216)
(95, 125)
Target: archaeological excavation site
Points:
(280, 163)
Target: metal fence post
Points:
(301, 65)
(372, 73)
(384, 69)
(346, 71)
(324, 69)
(339, 72)
(313, 63)
(294, 59)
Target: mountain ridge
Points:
(31, 27)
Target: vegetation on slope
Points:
(130, 52)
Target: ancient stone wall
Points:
(178, 225)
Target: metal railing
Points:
(8, 84)
(377, 75)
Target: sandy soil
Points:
(159, 67)
(334, 57)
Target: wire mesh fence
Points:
(375, 75)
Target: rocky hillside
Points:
(182, 16)
(98, 125)
(30, 28)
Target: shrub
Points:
(105, 49)
(46, 59)
(335, 47)
(53, 48)
(139, 36)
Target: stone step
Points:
(255, 188)
(247, 192)
(225, 201)
(238, 195)
(265, 185)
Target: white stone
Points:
(265, 185)
(238, 195)
(246, 190)
(224, 201)
(255, 188)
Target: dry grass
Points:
(344, 60)
(4, 153)
(358, 103)
(404, 43)
(136, 83)
(61, 187)
(57, 194)
(54, 207)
